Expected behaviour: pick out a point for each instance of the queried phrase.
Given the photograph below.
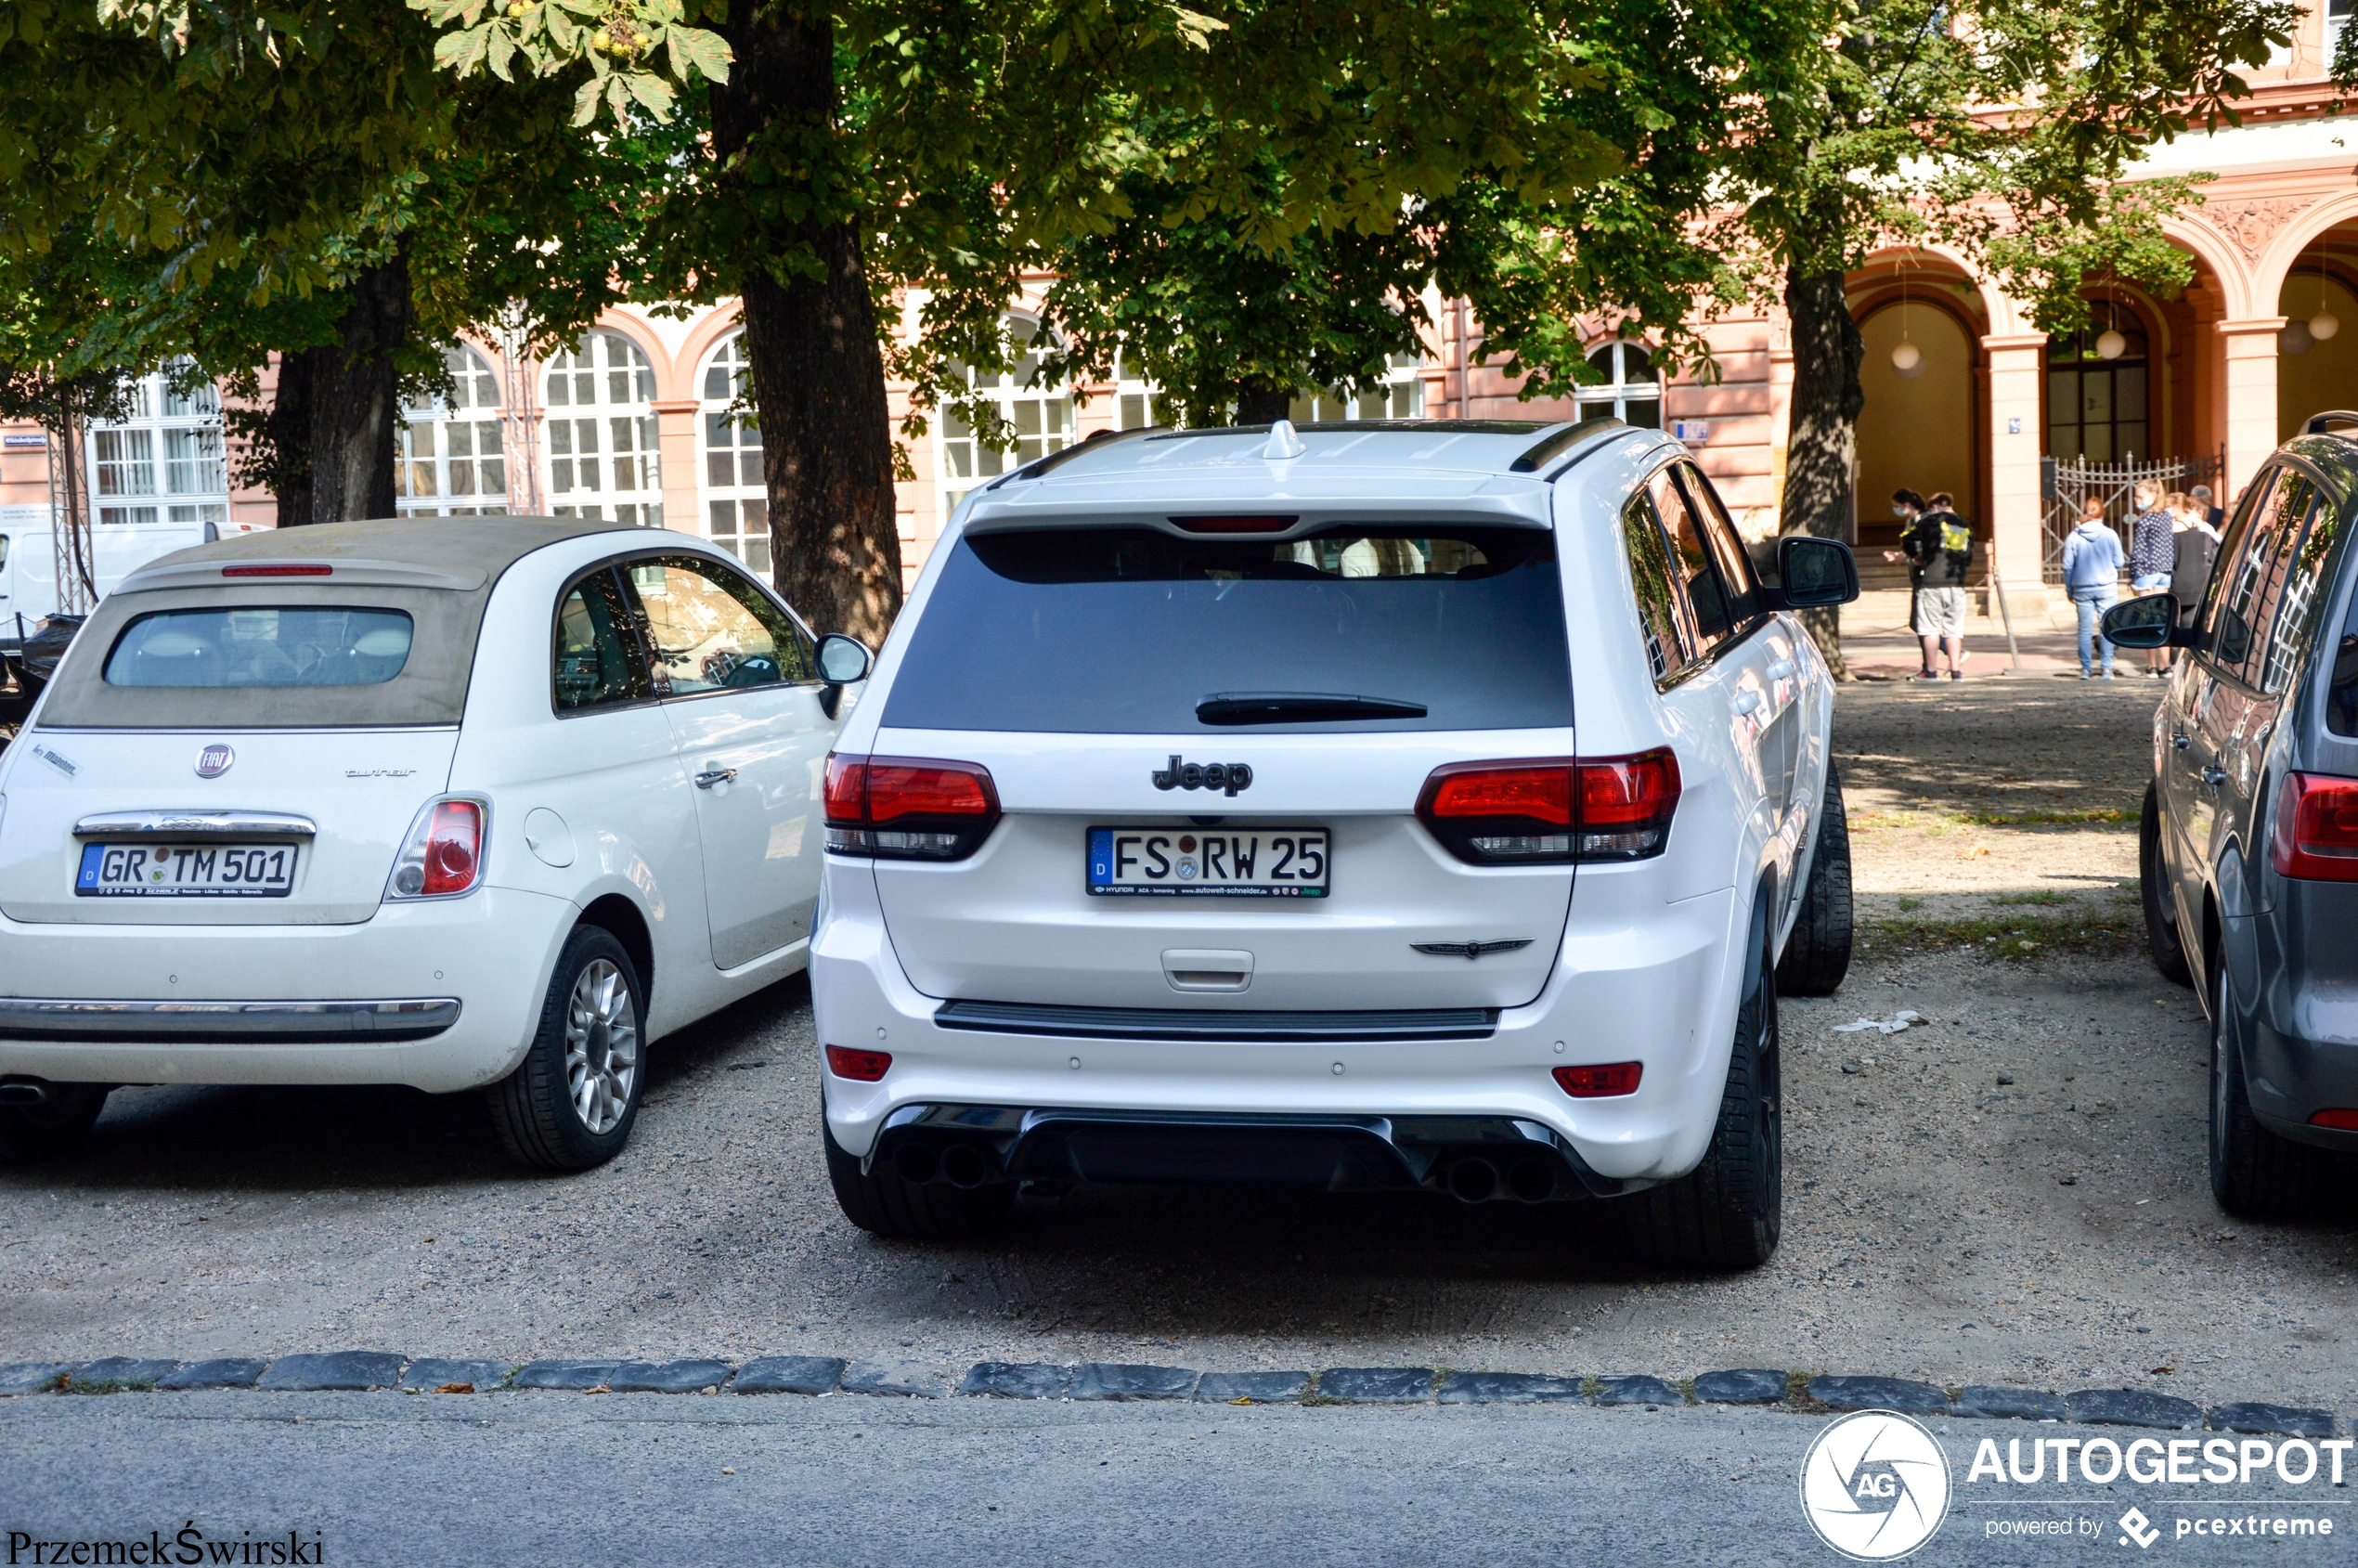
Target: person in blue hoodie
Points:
(2091, 562)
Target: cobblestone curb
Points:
(827, 1376)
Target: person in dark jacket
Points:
(1907, 506)
(2152, 555)
(2213, 514)
(1939, 546)
(2195, 550)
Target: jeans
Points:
(2092, 603)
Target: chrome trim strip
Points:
(32, 1017)
(198, 823)
(1218, 1024)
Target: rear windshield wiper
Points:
(1299, 708)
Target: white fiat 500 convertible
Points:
(453, 803)
(1432, 805)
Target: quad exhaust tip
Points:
(961, 1165)
(25, 1091)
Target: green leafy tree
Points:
(226, 186)
(2001, 127)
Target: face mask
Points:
(1898, 510)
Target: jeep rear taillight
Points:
(908, 808)
(2315, 834)
(1552, 809)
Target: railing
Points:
(2065, 485)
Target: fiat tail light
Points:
(1549, 811)
(908, 808)
(2316, 835)
(443, 855)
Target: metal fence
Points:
(2066, 484)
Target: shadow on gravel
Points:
(297, 1139)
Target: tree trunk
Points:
(356, 399)
(1822, 450)
(289, 425)
(811, 342)
(1259, 404)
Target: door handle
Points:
(2180, 743)
(1781, 670)
(2215, 775)
(1743, 702)
(711, 776)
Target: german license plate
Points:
(1168, 862)
(186, 871)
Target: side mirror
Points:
(843, 660)
(2150, 622)
(1814, 573)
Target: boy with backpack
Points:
(1940, 544)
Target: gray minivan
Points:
(2248, 848)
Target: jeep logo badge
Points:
(1228, 776)
(214, 760)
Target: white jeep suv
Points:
(1434, 805)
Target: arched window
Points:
(1041, 417)
(601, 434)
(735, 499)
(2095, 405)
(453, 458)
(162, 462)
(1631, 391)
(1401, 396)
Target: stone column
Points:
(682, 476)
(2251, 397)
(2017, 378)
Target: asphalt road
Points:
(638, 1480)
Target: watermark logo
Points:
(2139, 1528)
(1874, 1485)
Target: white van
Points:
(28, 563)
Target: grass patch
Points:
(1912, 903)
(2109, 815)
(2044, 896)
(2013, 936)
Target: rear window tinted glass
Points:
(1127, 630)
(261, 645)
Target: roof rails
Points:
(2317, 422)
(1039, 466)
(1563, 440)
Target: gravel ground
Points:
(2012, 1192)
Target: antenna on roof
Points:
(1283, 442)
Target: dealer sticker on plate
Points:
(186, 871)
(1281, 862)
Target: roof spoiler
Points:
(1563, 440)
(2317, 423)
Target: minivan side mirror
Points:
(1814, 573)
(2150, 622)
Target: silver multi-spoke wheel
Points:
(602, 1047)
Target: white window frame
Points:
(432, 476)
(602, 458)
(161, 467)
(1043, 416)
(1402, 397)
(729, 462)
(1612, 398)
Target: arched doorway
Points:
(2316, 373)
(1918, 429)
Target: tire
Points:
(2161, 910)
(1818, 952)
(573, 1100)
(881, 1203)
(2254, 1173)
(58, 1125)
(1727, 1212)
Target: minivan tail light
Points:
(1552, 809)
(2315, 834)
(908, 808)
(443, 855)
